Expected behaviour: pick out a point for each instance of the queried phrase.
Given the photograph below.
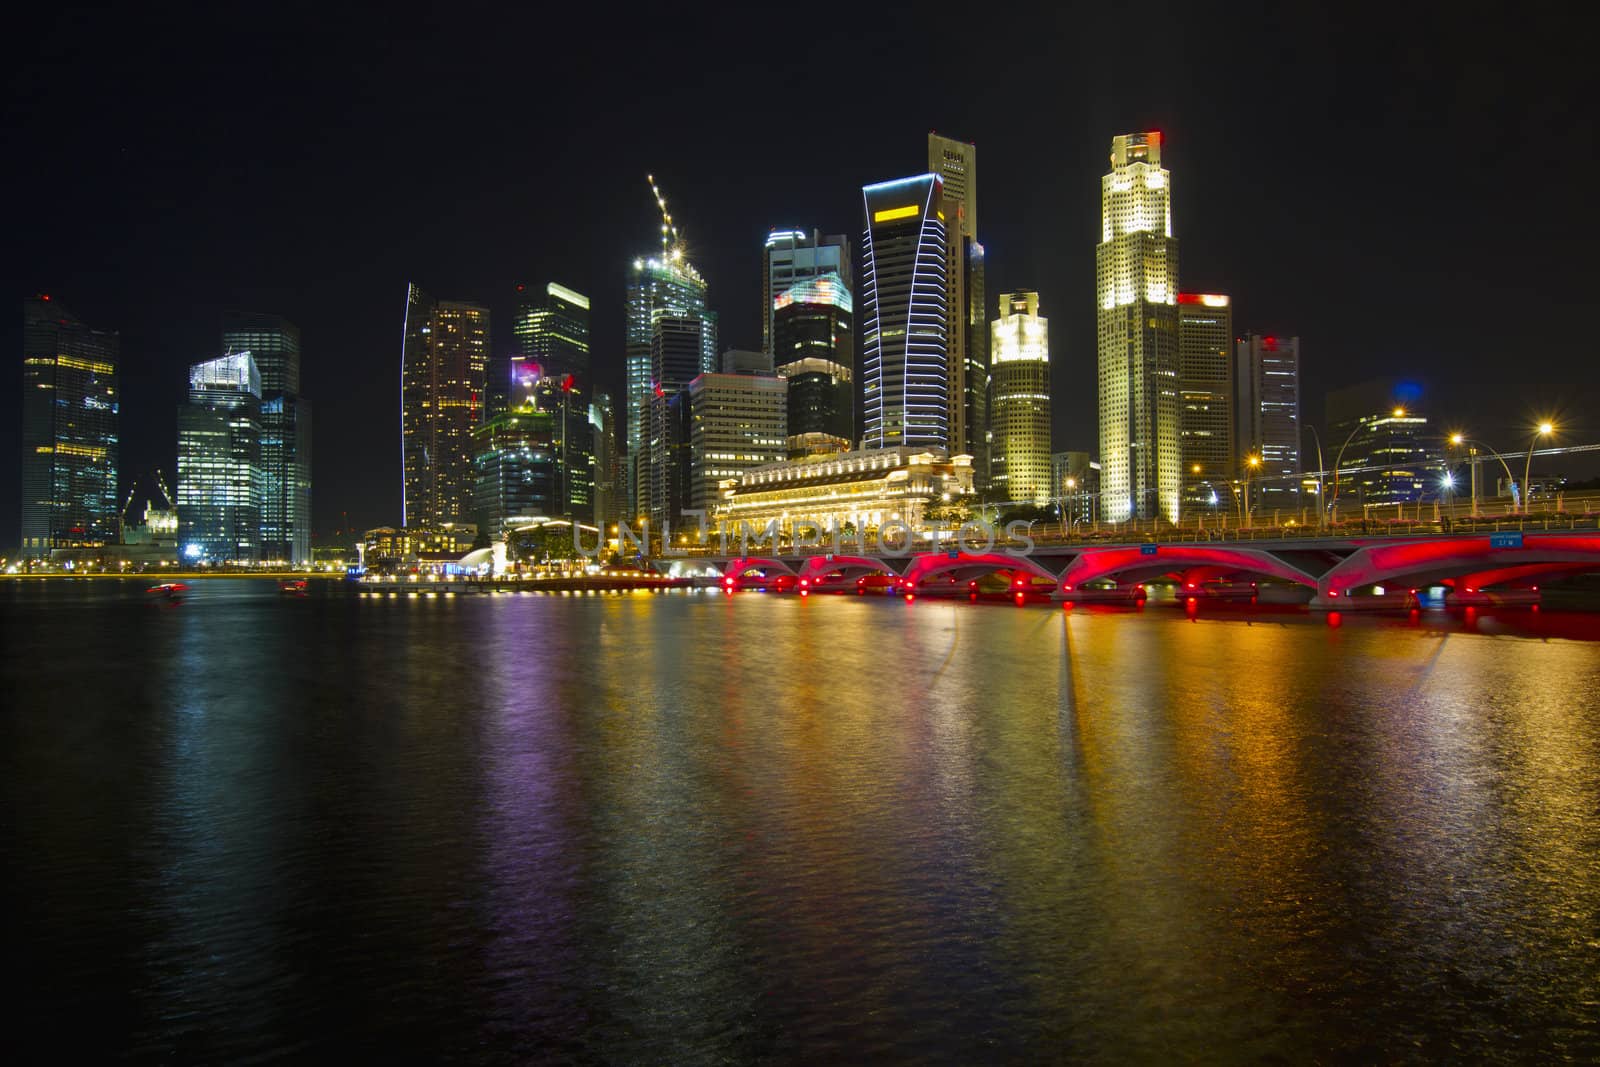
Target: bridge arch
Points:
(816, 569)
(1135, 563)
(965, 566)
(1457, 561)
(740, 566)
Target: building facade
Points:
(1136, 291)
(550, 334)
(794, 256)
(443, 379)
(904, 322)
(70, 434)
(814, 346)
(1385, 460)
(220, 478)
(274, 342)
(666, 285)
(1019, 397)
(1075, 480)
(1206, 440)
(854, 492)
(677, 357)
(956, 164)
(516, 470)
(1268, 388)
(736, 422)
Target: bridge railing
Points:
(1203, 531)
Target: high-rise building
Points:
(1136, 288)
(515, 470)
(663, 285)
(609, 479)
(70, 401)
(274, 342)
(573, 440)
(904, 324)
(956, 164)
(220, 478)
(1384, 459)
(814, 346)
(793, 256)
(551, 330)
(1075, 481)
(1206, 443)
(1019, 397)
(443, 371)
(1268, 389)
(677, 357)
(736, 422)
(744, 361)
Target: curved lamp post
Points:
(1463, 439)
(1544, 429)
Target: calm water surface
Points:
(699, 829)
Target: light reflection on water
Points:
(690, 828)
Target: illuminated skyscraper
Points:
(736, 421)
(814, 346)
(1207, 446)
(793, 256)
(1019, 396)
(220, 478)
(552, 330)
(677, 357)
(274, 342)
(904, 321)
(69, 431)
(609, 479)
(442, 403)
(1268, 383)
(956, 163)
(1136, 288)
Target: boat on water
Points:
(168, 590)
(292, 587)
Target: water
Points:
(700, 829)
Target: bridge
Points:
(1330, 572)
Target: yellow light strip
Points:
(889, 214)
(74, 363)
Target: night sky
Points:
(1412, 194)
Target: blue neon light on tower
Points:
(904, 332)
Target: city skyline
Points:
(1038, 227)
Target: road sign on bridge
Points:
(1148, 550)
(1505, 540)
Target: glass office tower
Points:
(443, 372)
(285, 431)
(70, 404)
(220, 480)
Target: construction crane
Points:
(671, 243)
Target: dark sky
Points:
(1410, 192)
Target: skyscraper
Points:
(736, 422)
(956, 163)
(1019, 392)
(904, 320)
(814, 346)
(1208, 454)
(220, 478)
(274, 342)
(677, 357)
(793, 256)
(609, 480)
(551, 329)
(70, 402)
(515, 471)
(1136, 287)
(442, 402)
(1268, 386)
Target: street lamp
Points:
(1544, 429)
(1472, 451)
(1250, 464)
